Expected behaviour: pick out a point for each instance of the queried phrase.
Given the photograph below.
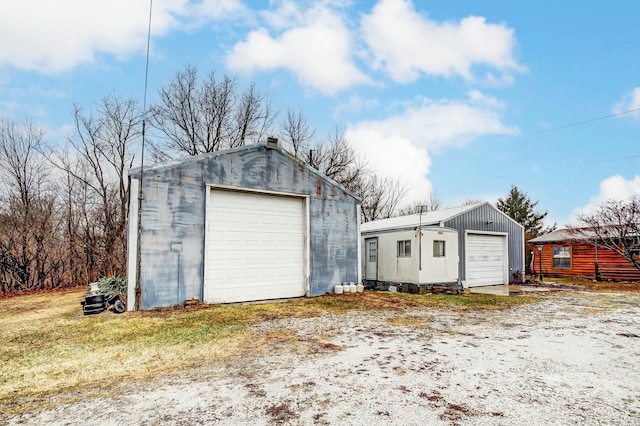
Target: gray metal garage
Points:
(250, 223)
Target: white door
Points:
(371, 264)
(255, 248)
(486, 260)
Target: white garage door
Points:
(255, 247)
(486, 260)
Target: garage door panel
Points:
(257, 251)
(251, 220)
(485, 260)
(266, 220)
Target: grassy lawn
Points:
(50, 347)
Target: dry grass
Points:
(407, 321)
(587, 284)
(372, 300)
(50, 347)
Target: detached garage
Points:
(490, 243)
(245, 224)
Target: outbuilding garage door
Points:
(255, 247)
(486, 260)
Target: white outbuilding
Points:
(411, 257)
(476, 245)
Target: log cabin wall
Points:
(611, 265)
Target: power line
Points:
(625, 42)
(138, 285)
(612, 159)
(588, 121)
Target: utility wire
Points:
(628, 157)
(625, 42)
(138, 287)
(146, 69)
(587, 121)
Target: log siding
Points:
(611, 265)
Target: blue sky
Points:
(463, 98)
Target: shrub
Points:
(113, 285)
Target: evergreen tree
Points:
(519, 207)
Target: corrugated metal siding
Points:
(477, 220)
(174, 210)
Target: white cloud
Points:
(395, 156)
(400, 146)
(57, 36)
(407, 44)
(444, 123)
(614, 188)
(356, 103)
(498, 80)
(286, 15)
(316, 47)
(217, 9)
(629, 102)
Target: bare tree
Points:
(103, 148)
(253, 117)
(199, 116)
(472, 201)
(28, 222)
(204, 115)
(430, 204)
(97, 191)
(23, 174)
(615, 226)
(120, 123)
(380, 197)
(337, 160)
(296, 132)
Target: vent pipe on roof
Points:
(272, 143)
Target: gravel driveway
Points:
(573, 358)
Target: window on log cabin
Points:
(561, 257)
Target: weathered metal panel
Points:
(486, 218)
(174, 208)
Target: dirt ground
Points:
(572, 358)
